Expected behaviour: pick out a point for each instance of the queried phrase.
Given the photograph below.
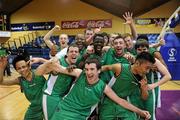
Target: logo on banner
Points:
(32, 26)
(172, 52)
(78, 24)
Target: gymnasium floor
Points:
(13, 104)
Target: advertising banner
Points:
(32, 26)
(78, 24)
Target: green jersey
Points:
(111, 58)
(79, 102)
(56, 87)
(108, 59)
(60, 84)
(33, 92)
(124, 86)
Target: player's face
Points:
(144, 68)
(92, 73)
(63, 40)
(141, 49)
(88, 33)
(119, 46)
(98, 45)
(129, 42)
(22, 68)
(80, 43)
(72, 54)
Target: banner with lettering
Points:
(78, 24)
(151, 21)
(32, 26)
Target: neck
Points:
(29, 76)
(68, 61)
(91, 82)
(120, 55)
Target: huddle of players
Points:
(117, 68)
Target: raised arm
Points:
(129, 20)
(89, 40)
(110, 93)
(37, 60)
(165, 73)
(3, 63)
(49, 34)
(54, 66)
(156, 45)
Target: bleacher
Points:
(36, 48)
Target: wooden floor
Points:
(13, 103)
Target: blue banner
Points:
(32, 26)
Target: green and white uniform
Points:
(33, 92)
(111, 58)
(78, 103)
(156, 78)
(108, 59)
(124, 86)
(151, 103)
(55, 88)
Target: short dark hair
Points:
(19, 58)
(141, 43)
(144, 37)
(93, 60)
(79, 36)
(98, 37)
(72, 45)
(125, 35)
(145, 56)
(118, 37)
(88, 28)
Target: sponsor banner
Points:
(104, 23)
(149, 21)
(32, 26)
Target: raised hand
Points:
(53, 50)
(71, 67)
(129, 57)
(97, 30)
(56, 28)
(128, 17)
(34, 60)
(151, 86)
(143, 83)
(161, 42)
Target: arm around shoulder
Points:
(111, 94)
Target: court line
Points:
(9, 94)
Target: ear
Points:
(99, 71)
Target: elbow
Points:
(169, 77)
